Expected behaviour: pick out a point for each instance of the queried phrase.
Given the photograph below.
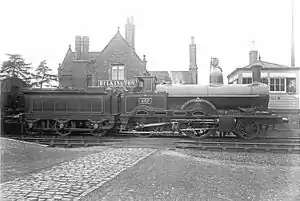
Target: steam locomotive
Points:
(192, 110)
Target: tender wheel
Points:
(247, 129)
(64, 128)
(31, 128)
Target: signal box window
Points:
(277, 84)
(247, 80)
(291, 85)
(117, 72)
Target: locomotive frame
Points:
(146, 111)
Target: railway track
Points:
(229, 143)
(67, 141)
(275, 145)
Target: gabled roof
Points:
(71, 55)
(119, 36)
(264, 64)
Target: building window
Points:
(277, 84)
(265, 80)
(89, 80)
(291, 85)
(117, 72)
(247, 80)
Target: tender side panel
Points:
(66, 104)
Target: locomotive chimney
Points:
(256, 73)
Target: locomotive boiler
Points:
(199, 111)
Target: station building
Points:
(284, 83)
(116, 65)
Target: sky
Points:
(44, 29)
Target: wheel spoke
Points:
(247, 129)
(63, 129)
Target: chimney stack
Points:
(81, 47)
(193, 52)
(256, 73)
(77, 47)
(130, 32)
(253, 56)
(193, 62)
(86, 44)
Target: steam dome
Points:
(216, 76)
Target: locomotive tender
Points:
(192, 110)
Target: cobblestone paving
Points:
(74, 179)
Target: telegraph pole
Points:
(292, 39)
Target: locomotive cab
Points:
(146, 83)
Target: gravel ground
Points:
(21, 158)
(194, 175)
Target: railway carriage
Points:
(67, 110)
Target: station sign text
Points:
(117, 82)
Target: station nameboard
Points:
(117, 82)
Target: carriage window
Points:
(85, 105)
(37, 105)
(48, 105)
(60, 106)
(97, 105)
(72, 105)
